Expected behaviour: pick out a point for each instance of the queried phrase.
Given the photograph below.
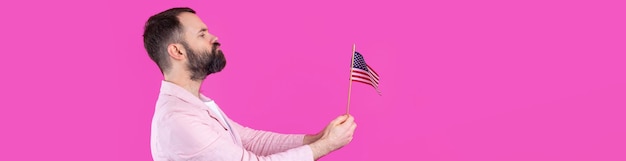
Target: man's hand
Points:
(337, 134)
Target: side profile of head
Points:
(180, 44)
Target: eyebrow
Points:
(203, 30)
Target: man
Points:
(190, 126)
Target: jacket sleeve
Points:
(265, 142)
(194, 139)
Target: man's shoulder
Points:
(168, 105)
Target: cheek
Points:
(206, 45)
(202, 45)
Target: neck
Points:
(191, 86)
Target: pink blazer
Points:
(184, 128)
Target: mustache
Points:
(216, 45)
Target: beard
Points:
(203, 63)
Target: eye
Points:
(201, 35)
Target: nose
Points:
(212, 38)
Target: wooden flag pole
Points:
(350, 87)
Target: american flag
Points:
(363, 73)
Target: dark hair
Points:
(160, 30)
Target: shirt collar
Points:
(169, 88)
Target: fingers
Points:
(349, 120)
(352, 128)
(343, 120)
(350, 132)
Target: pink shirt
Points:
(184, 128)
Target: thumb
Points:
(339, 120)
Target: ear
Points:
(176, 51)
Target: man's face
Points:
(203, 54)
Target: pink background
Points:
(484, 80)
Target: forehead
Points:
(191, 22)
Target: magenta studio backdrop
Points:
(482, 80)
